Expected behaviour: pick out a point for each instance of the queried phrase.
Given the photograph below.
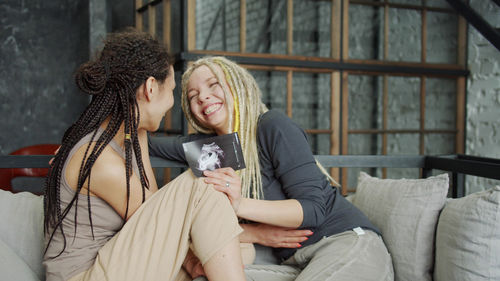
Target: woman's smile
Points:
(212, 109)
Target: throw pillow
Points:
(406, 212)
(468, 238)
(21, 227)
(13, 268)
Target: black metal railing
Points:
(459, 165)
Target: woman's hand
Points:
(192, 265)
(55, 152)
(276, 236)
(227, 181)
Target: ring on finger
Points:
(227, 184)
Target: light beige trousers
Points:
(247, 256)
(346, 256)
(153, 243)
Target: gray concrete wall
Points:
(41, 44)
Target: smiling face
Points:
(207, 101)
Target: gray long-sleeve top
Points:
(289, 171)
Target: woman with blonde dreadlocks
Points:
(314, 232)
(105, 218)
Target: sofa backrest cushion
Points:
(468, 238)
(12, 267)
(21, 227)
(406, 212)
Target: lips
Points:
(212, 108)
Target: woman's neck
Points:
(119, 138)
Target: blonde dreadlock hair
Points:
(247, 108)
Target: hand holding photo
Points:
(214, 153)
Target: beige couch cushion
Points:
(406, 212)
(468, 238)
(21, 229)
(13, 268)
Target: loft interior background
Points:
(362, 77)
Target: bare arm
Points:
(285, 213)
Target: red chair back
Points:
(6, 175)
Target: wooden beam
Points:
(401, 6)
(394, 68)
(138, 15)
(402, 131)
(462, 42)
(319, 131)
(167, 39)
(422, 115)
(460, 139)
(335, 28)
(289, 27)
(285, 68)
(385, 102)
(152, 20)
(289, 93)
(345, 128)
(167, 24)
(191, 22)
(386, 31)
(345, 29)
(423, 53)
(335, 110)
(243, 26)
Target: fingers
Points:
(198, 270)
(300, 232)
(55, 152)
(292, 245)
(289, 245)
(224, 180)
(292, 232)
(293, 241)
(288, 242)
(225, 174)
(193, 266)
(226, 171)
(283, 237)
(219, 184)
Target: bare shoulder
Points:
(108, 181)
(108, 171)
(109, 162)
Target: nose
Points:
(204, 95)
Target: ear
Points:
(150, 88)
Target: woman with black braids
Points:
(105, 218)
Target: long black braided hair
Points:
(126, 61)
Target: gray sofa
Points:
(429, 235)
